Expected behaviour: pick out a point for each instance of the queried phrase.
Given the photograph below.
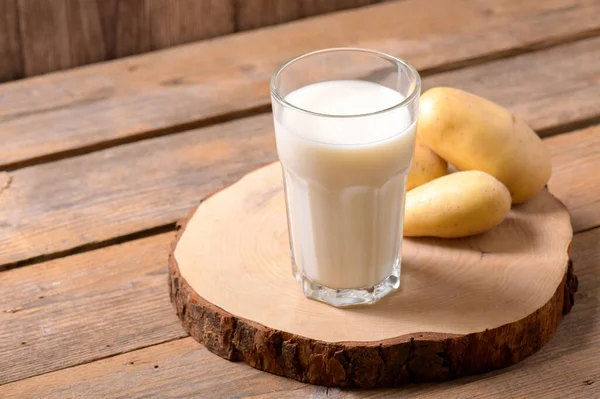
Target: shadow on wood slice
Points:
(464, 306)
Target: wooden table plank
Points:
(576, 175)
(121, 291)
(122, 190)
(101, 105)
(77, 309)
(568, 365)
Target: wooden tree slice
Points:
(464, 306)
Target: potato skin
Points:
(426, 165)
(473, 133)
(456, 205)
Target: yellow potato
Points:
(456, 205)
(426, 165)
(473, 133)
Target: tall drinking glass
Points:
(345, 124)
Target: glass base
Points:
(348, 297)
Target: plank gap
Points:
(166, 228)
(569, 127)
(530, 48)
(142, 136)
(100, 358)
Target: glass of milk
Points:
(345, 123)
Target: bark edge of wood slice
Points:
(211, 289)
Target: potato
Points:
(473, 133)
(456, 205)
(426, 165)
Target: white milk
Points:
(345, 180)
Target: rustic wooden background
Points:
(39, 36)
(97, 164)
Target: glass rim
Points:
(416, 89)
